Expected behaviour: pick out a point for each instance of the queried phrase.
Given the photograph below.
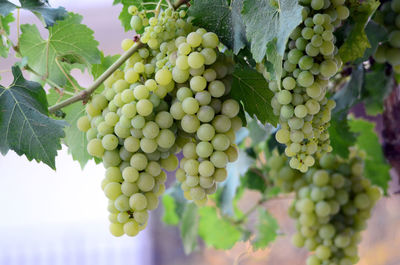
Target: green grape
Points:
(204, 149)
(163, 77)
(138, 202)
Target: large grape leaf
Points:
(377, 86)
(340, 135)
(230, 186)
(42, 9)
(70, 44)
(268, 27)
(376, 166)
(24, 123)
(174, 205)
(253, 180)
(189, 227)
(357, 41)
(215, 231)
(5, 44)
(223, 19)
(6, 7)
(267, 229)
(350, 93)
(376, 34)
(250, 88)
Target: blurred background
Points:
(55, 218)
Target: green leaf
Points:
(376, 34)
(223, 19)
(24, 124)
(267, 229)
(125, 17)
(6, 7)
(5, 44)
(217, 232)
(253, 181)
(42, 8)
(376, 167)
(377, 86)
(105, 63)
(350, 94)
(258, 132)
(170, 217)
(70, 43)
(189, 227)
(229, 187)
(341, 137)
(266, 23)
(250, 88)
(357, 42)
(74, 138)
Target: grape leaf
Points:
(6, 7)
(377, 86)
(277, 22)
(217, 232)
(258, 132)
(376, 34)
(179, 203)
(42, 7)
(357, 41)
(74, 138)
(229, 187)
(125, 17)
(70, 44)
(250, 88)
(189, 227)
(267, 229)
(350, 94)
(169, 217)
(253, 181)
(341, 137)
(221, 18)
(376, 167)
(105, 63)
(24, 124)
(5, 44)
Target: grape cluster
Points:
(310, 60)
(172, 95)
(389, 16)
(333, 202)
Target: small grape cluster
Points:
(172, 95)
(310, 60)
(389, 16)
(333, 202)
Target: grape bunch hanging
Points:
(332, 205)
(311, 59)
(172, 95)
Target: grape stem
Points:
(85, 94)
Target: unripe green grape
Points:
(198, 83)
(166, 138)
(205, 114)
(109, 142)
(95, 148)
(129, 188)
(190, 105)
(197, 193)
(190, 123)
(203, 97)
(122, 203)
(116, 229)
(170, 163)
(230, 108)
(204, 149)
(138, 202)
(163, 76)
(112, 190)
(216, 88)
(209, 56)
(196, 60)
(144, 107)
(210, 40)
(219, 159)
(145, 182)
(83, 124)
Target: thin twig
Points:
(84, 94)
(170, 5)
